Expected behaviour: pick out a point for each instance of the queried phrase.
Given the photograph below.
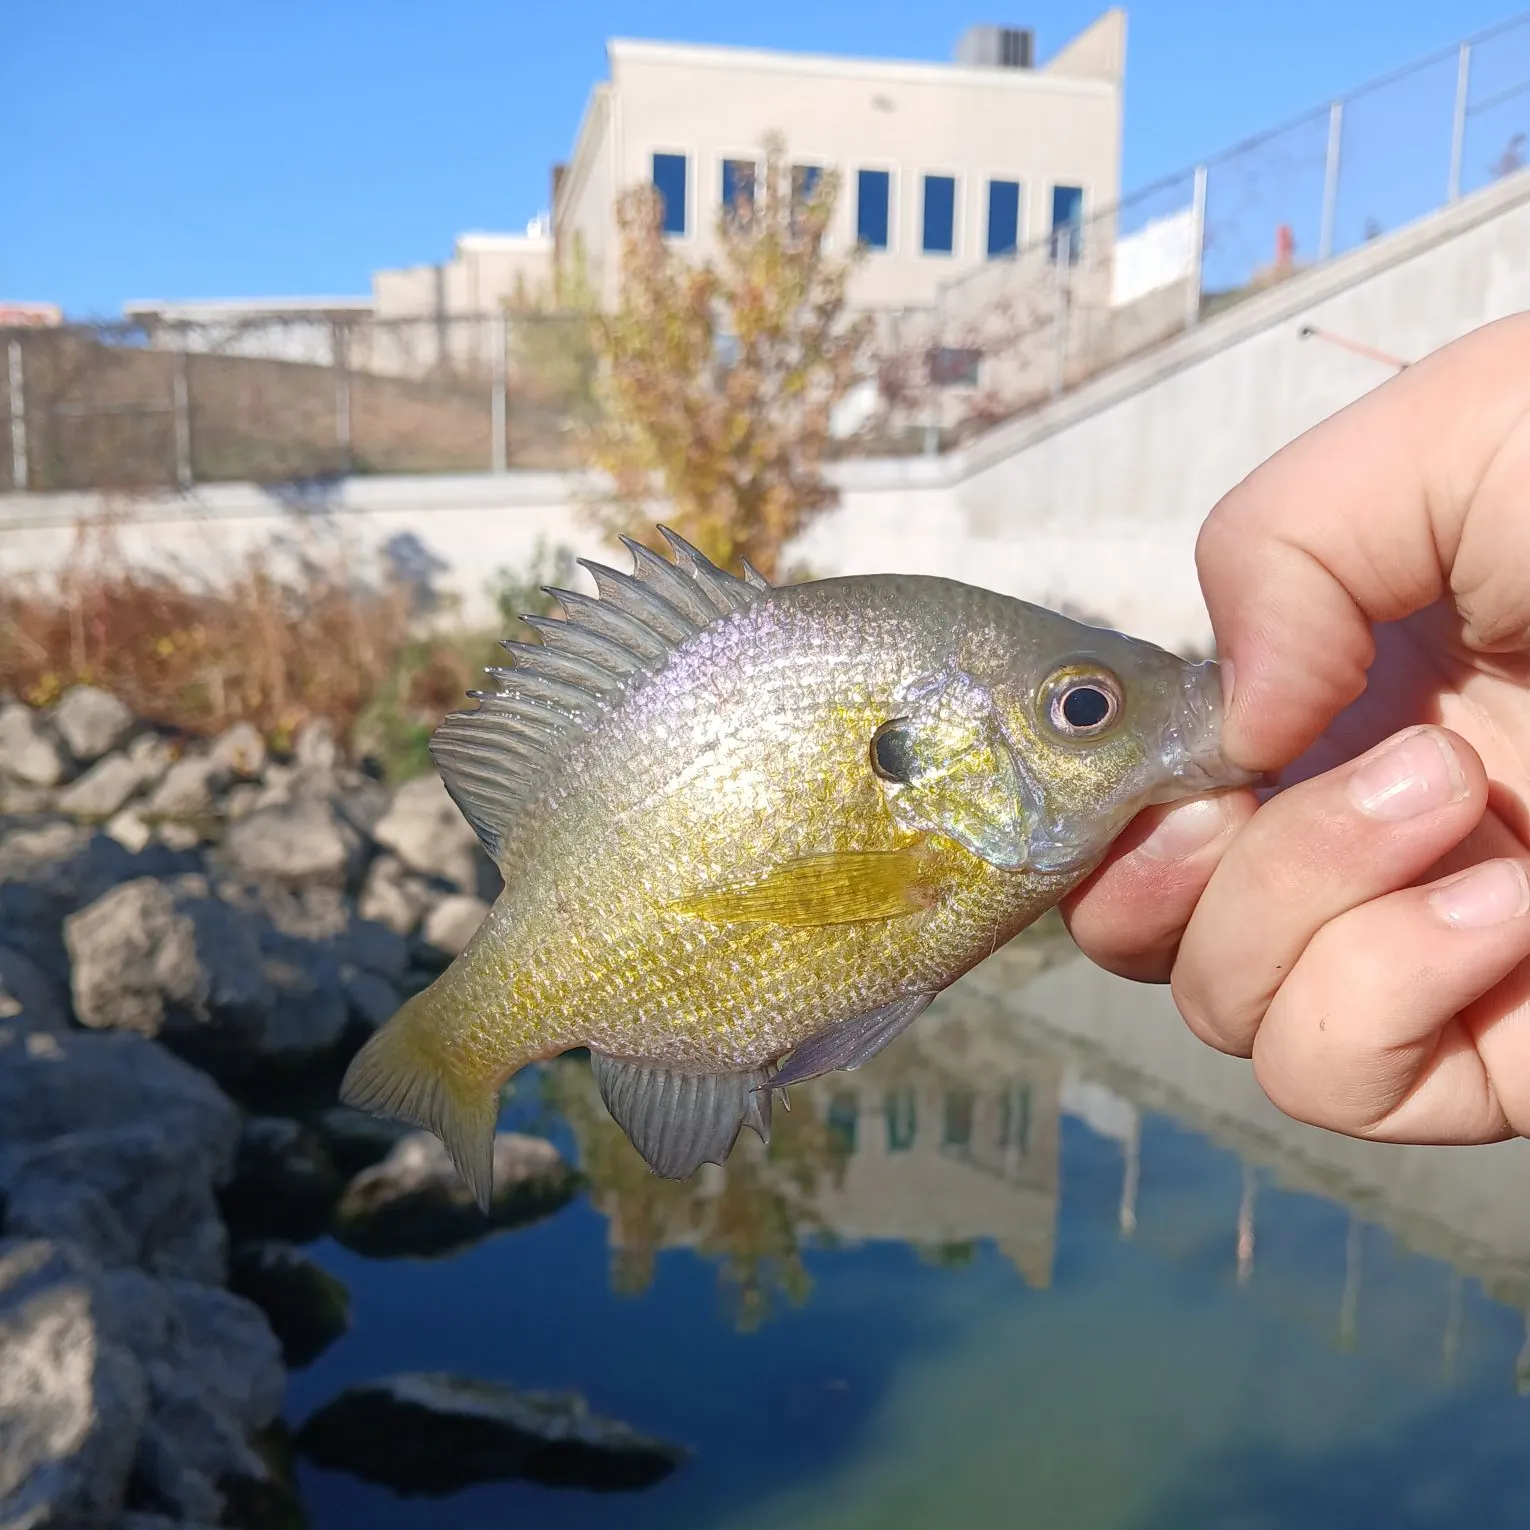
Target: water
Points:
(1047, 1261)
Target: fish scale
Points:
(705, 874)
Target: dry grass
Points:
(273, 645)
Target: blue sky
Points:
(174, 150)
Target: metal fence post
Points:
(1458, 122)
(18, 416)
(340, 351)
(500, 330)
(1331, 179)
(182, 415)
(1197, 249)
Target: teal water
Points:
(1046, 1262)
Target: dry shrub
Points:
(276, 642)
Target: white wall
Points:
(1092, 502)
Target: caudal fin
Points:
(403, 1072)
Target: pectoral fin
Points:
(838, 887)
(851, 1042)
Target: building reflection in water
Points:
(952, 1138)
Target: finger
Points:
(1128, 917)
(1309, 855)
(1371, 1034)
(1413, 492)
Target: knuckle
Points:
(1216, 1030)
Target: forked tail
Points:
(410, 1072)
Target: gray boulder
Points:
(299, 841)
(28, 753)
(241, 751)
(436, 1434)
(214, 1375)
(452, 923)
(188, 787)
(92, 722)
(415, 1203)
(73, 1402)
(163, 958)
(394, 896)
(79, 1082)
(425, 829)
(128, 1196)
(104, 788)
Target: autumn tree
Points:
(718, 378)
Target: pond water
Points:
(1046, 1261)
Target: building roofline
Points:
(888, 71)
(192, 308)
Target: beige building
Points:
(485, 272)
(944, 167)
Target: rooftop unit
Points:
(991, 47)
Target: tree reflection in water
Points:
(751, 1217)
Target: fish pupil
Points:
(892, 754)
(1085, 706)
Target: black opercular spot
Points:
(892, 752)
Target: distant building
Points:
(486, 272)
(944, 166)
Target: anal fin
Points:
(851, 1042)
(679, 1121)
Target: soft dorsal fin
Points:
(496, 759)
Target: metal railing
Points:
(1201, 241)
(127, 405)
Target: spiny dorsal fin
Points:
(496, 759)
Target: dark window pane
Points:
(669, 179)
(873, 194)
(902, 1120)
(957, 1127)
(844, 1114)
(1067, 221)
(1003, 218)
(738, 188)
(805, 179)
(939, 214)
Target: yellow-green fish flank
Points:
(748, 832)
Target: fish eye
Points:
(892, 752)
(1083, 705)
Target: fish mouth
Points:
(1192, 740)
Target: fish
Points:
(748, 832)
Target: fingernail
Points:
(1489, 894)
(1185, 829)
(1225, 677)
(1411, 775)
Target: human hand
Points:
(1364, 935)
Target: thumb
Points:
(1414, 492)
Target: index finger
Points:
(1379, 511)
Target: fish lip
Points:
(1193, 737)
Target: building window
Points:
(873, 208)
(939, 214)
(956, 1131)
(669, 175)
(1015, 1119)
(738, 181)
(902, 1120)
(805, 182)
(1003, 218)
(1067, 222)
(844, 1116)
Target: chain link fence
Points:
(273, 399)
(1013, 334)
(270, 399)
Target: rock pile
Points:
(194, 938)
